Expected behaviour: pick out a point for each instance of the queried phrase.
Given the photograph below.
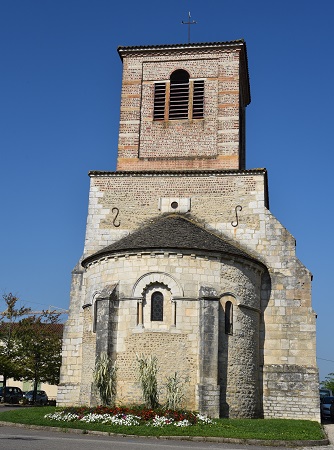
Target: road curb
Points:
(218, 440)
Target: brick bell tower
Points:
(183, 107)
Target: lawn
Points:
(268, 429)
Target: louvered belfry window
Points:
(179, 95)
(159, 101)
(198, 99)
(179, 98)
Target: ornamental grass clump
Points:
(105, 379)
(174, 392)
(148, 369)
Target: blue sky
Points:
(60, 79)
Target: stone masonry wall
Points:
(239, 352)
(291, 392)
(287, 325)
(213, 198)
(88, 358)
(176, 343)
(119, 203)
(71, 368)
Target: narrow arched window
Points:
(228, 318)
(157, 306)
(179, 95)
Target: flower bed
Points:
(130, 416)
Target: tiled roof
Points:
(187, 173)
(139, 48)
(171, 232)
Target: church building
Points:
(183, 259)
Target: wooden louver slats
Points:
(159, 101)
(198, 99)
(178, 101)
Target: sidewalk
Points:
(329, 428)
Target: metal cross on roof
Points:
(190, 22)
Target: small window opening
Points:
(228, 318)
(157, 306)
(94, 316)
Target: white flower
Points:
(161, 421)
(119, 419)
(62, 417)
(203, 419)
(182, 423)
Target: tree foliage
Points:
(9, 358)
(328, 383)
(30, 345)
(38, 341)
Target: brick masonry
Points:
(214, 142)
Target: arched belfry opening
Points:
(179, 95)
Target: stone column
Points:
(173, 313)
(140, 313)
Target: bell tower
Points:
(183, 107)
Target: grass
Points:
(262, 429)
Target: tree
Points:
(30, 345)
(39, 341)
(328, 383)
(9, 360)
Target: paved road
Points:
(12, 438)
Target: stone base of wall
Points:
(68, 395)
(208, 399)
(291, 392)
